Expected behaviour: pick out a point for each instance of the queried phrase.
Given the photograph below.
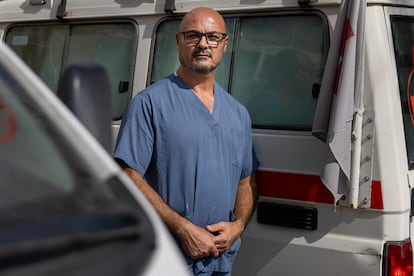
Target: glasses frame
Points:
(206, 35)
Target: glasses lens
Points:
(192, 37)
(213, 38)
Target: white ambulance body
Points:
(274, 65)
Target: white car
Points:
(66, 208)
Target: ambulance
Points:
(328, 85)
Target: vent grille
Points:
(287, 215)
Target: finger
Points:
(215, 252)
(223, 250)
(212, 228)
(223, 246)
(215, 228)
(219, 240)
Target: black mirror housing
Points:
(85, 89)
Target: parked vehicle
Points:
(66, 208)
(281, 63)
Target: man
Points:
(186, 144)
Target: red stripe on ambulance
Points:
(305, 188)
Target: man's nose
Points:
(203, 42)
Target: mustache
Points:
(201, 51)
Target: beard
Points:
(203, 69)
(197, 66)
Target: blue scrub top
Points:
(193, 158)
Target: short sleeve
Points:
(135, 140)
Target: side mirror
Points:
(85, 89)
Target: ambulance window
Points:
(42, 48)
(48, 49)
(165, 59)
(403, 37)
(277, 62)
(273, 65)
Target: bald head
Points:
(203, 17)
(201, 41)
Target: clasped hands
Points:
(211, 241)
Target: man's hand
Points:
(198, 242)
(225, 233)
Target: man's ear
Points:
(226, 42)
(177, 38)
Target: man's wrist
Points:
(180, 227)
(240, 225)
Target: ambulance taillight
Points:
(398, 258)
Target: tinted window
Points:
(48, 49)
(273, 65)
(403, 37)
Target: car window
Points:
(273, 65)
(38, 170)
(32, 167)
(403, 33)
(48, 49)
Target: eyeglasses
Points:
(194, 37)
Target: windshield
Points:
(403, 37)
(50, 204)
(34, 166)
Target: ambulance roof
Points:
(33, 10)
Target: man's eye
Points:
(193, 36)
(213, 37)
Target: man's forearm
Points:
(170, 217)
(197, 242)
(246, 199)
